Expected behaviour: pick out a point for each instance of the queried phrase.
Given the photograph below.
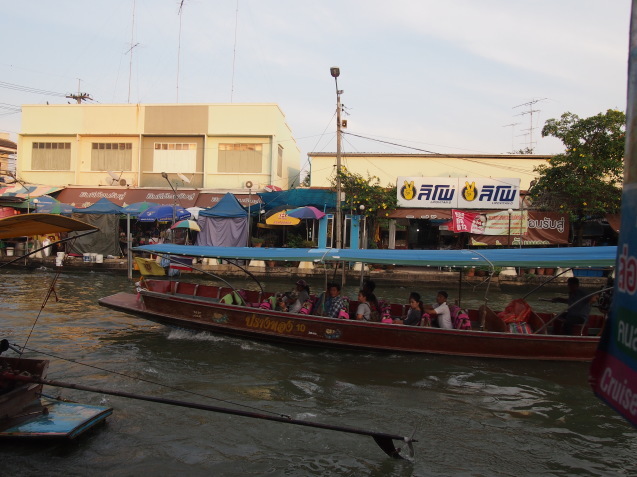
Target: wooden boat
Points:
(24, 414)
(198, 307)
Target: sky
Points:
(429, 76)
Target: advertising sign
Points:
(492, 223)
(527, 228)
(613, 373)
(458, 192)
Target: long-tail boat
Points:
(203, 307)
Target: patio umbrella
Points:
(187, 224)
(58, 208)
(137, 208)
(163, 213)
(308, 212)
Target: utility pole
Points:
(79, 97)
(335, 71)
(530, 113)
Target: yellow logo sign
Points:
(469, 191)
(408, 191)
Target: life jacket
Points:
(306, 308)
(425, 320)
(385, 312)
(269, 303)
(459, 318)
(343, 314)
(518, 311)
(232, 298)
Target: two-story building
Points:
(202, 146)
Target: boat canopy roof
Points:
(565, 257)
(40, 224)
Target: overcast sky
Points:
(438, 76)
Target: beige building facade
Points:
(390, 166)
(213, 146)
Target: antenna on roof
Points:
(530, 113)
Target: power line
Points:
(28, 89)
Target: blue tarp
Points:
(322, 199)
(565, 257)
(228, 207)
(102, 206)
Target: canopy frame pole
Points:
(383, 440)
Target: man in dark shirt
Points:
(579, 305)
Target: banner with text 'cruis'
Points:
(613, 373)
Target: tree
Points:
(585, 181)
(368, 192)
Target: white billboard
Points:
(458, 192)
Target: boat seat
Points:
(186, 288)
(207, 291)
(492, 322)
(397, 310)
(251, 297)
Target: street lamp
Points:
(362, 209)
(249, 186)
(165, 176)
(335, 72)
(509, 211)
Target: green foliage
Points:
(306, 180)
(295, 240)
(585, 180)
(368, 192)
(378, 200)
(525, 150)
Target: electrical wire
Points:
(28, 89)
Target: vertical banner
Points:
(613, 373)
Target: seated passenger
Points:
(334, 302)
(415, 313)
(364, 311)
(303, 295)
(441, 311)
(369, 286)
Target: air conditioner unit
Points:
(123, 182)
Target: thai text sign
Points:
(458, 192)
(527, 228)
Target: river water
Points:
(472, 416)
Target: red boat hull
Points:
(206, 314)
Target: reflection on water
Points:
(472, 416)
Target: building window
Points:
(175, 157)
(279, 162)
(240, 158)
(112, 156)
(51, 156)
